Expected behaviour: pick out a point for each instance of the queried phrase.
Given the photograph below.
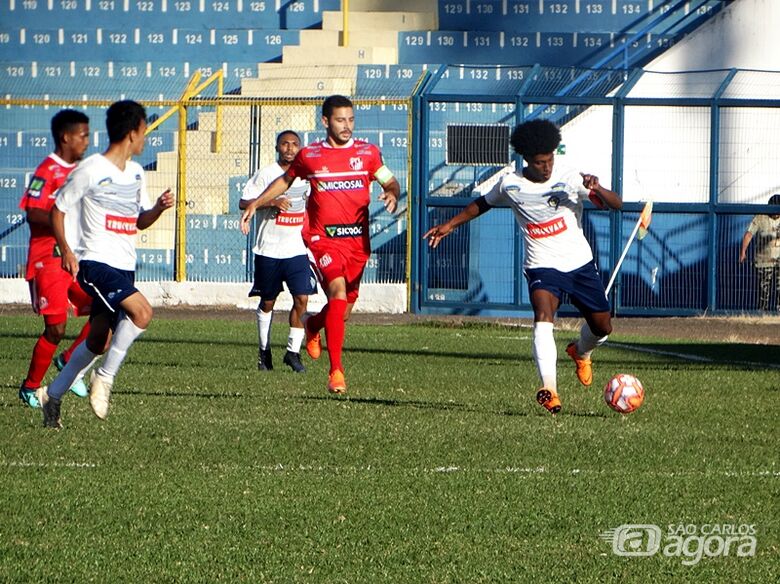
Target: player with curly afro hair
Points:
(547, 201)
(535, 137)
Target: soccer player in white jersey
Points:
(110, 191)
(547, 202)
(280, 254)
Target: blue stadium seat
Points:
(393, 80)
(12, 185)
(144, 43)
(182, 13)
(216, 249)
(154, 264)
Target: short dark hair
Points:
(774, 199)
(63, 122)
(122, 118)
(333, 102)
(283, 132)
(535, 137)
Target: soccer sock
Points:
(316, 321)
(39, 363)
(124, 335)
(546, 354)
(81, 359)
(334, 331)
(295, 339)
(264, 328)
(588, 341)
(79, 339)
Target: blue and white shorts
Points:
(271, 273)
(583, 286)
(107, 285)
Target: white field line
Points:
(23, 464)
(449, 469)
(452, 469)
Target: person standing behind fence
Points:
(280, 254)
(765, 229)
(110, 191)
(340, 170)
(53, 290)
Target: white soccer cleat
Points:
(42, 395)
(99, 394)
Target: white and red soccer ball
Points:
(624, 393)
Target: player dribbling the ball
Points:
(547, 202)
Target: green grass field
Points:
(438, 467)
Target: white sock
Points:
(81, 359)
(588, 341)
(126, 332)
(546, 354)
(264, 328)
(295, 339)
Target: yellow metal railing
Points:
(345, 23)
(193, 89)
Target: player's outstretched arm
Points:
(438, 232)
(391, 192)
(276, 188)
(147, 218)
(610, 198)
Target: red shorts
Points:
(53, 291)
(333, 261)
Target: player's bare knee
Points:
(54, 333)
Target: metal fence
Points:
(702, 145)
(206, 152)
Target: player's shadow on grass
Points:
(705, 355)
(416, 404)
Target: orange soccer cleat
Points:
(584, 368)
(313, 344)
(549, 399)
(336, 382)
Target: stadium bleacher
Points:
(84, 50)
(261, 14)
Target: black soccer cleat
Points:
(293, 361)
(265, 361)
(51, 413)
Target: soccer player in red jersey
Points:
(340, 170)
(52, 289)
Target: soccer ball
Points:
(624, 393)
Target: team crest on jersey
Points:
(105, 181)
(325, 260)
(553, 201)
(356, 163)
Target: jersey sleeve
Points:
(70, 194)
(754, 226)
(36, 195)
(495, 196)
(145, 203)
(254, 186)
(375, 162)
(575, 181)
